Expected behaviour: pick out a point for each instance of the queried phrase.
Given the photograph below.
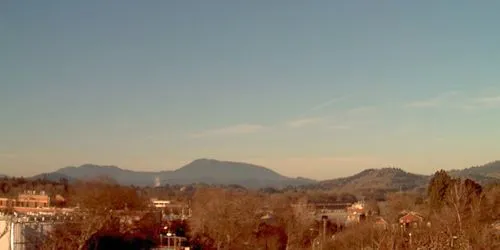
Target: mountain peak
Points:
(487, 173)
(204, 170)
(211, 167)
(88, 165)
(382, 178)
(205, 160)
(90, 171)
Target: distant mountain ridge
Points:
(486, 173)
(207, 171)
(377, 179)
(54, 176)
(211, 171)
(398, 179)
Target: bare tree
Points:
(228, 217)
(97, 203)
(295, 216)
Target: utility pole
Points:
(323, 218)
(410, 239)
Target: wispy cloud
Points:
(432, 102)
(327, 103)
(362, 110)
(483, 102)
(489, 100)
(231, 130)
(340, 127)
(299, 123)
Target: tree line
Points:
(457, 214)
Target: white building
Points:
(160, 203)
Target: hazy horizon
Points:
(297, 176)
(317, 89)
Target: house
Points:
(411, 219)
(356, 212)
(380, 223)
(160, 203)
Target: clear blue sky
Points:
(318, 89)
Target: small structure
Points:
(60, 198)
(172, 211)
(356, 212)
(29, 199)
(170, 241)
(160, 203)
(496, 226)
(411, 219)
(380, 223)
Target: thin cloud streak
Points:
(340, 127)
(490, 100)
(432, 102)
(327, 103)
(362, 110)
(232, 130)
(484, 102)
(299, 123)
(424, 104)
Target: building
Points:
(33, 200)
(160, 203)
(411, 219)
(356, 212)
(172, 211)
(380, 223)
(29, 199)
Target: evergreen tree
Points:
(438, 189)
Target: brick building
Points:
(29, 199)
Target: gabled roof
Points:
(380, 220)
(411, 217)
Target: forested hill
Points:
(486, 173)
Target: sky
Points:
(318, 89)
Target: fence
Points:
(22, 234)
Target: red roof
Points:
(410, 218)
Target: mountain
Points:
(225, 170)
(122, 176)
(377, 179)
(54, 176)
(486, 173)
(396, 179)
(252, 176)
(199, 171)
